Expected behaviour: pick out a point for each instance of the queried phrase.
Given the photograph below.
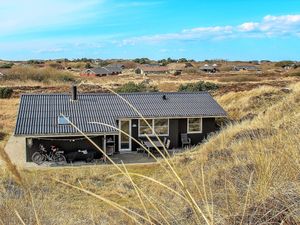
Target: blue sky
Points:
(203, 29)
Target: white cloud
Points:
(288, 24)
(268, 26)
(217, 29)
(286, 19)
(186, 34)
(250, 26)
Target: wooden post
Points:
(104, 147)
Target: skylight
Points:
(63, 120)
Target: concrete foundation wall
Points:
(16, 150)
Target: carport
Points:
(66, 144)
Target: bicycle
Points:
(54, 155)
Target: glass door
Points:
(124, 140)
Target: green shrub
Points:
(6, 65)
(142, 60)
(198, 86)
(5, 92)
(88, 66)
(34, 61)
(284, 63)
(133, 87)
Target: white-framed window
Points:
(194, 125)
(144, 128)
(160, 126)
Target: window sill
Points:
(195, 132)
(153, 135)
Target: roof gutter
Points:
(63, 135)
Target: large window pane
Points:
(194, 125)
(124, 139)
(161, 126)
(125, 128)
(144, 128)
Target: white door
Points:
(124, 140)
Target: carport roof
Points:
(38, 113)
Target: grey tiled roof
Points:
(98, 70)
(38, 113)
(113, 69)
(118, 65)
(246, 68)
(105, 70)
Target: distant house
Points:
(145, 70)
(291, 66)
(209, 68)
(287, 67)
(256, 62)
(102, 71)
(246, 68)
(179, 66)
(170, 115)
(113, 70)
(153, 64)
(116, 65)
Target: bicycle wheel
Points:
(60, 159)
(38, 158)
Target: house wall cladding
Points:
(176, 128)
(208, 126)
(180, 125)
(134, 133)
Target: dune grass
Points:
(8, 111)
(246, 174)
(239, 104)
(44, 74)
(239, 78)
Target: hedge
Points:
(5, 92)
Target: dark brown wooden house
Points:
(170, 114)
